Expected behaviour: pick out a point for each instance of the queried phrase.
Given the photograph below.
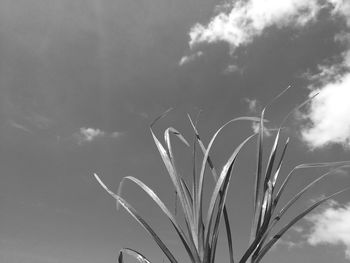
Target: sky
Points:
(80, 81)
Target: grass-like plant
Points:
(199, 235)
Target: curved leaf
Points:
(177, 184)
(141, 258)
(140, 220)
(224, 179)
(215, 176)
(199, 198)
(189, 246)
(267, 247)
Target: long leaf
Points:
(140, 220)
(274, 180)
(198, 210)
(141, 258)
(292, 222)
(215, 177)
(175, 132)
(297, 108)
(269, 202)
(266, 205)
(263, 235)
(305, 166)
(224, 177)
(271, 161)
(258, 178)
(189, 246)
(176, 182)
(299, 194)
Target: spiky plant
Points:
(200, 234)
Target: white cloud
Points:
(331, 226)
(245, 20)
(187, 59)
(90, 134)
(256, 127)
(233, 69)
(329, 115)
(286, 243)
(252, 104)
(239, 22)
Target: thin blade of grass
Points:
(298, 195)
(140, 220)
(271, 160)
(274, 180)
(198, 210)
(131, 252)
(293, 200)
(160, 117)
(175, 132)
(257, 205)
(187, 209)
(224, 179)
(188, 244)
(304, 166)
(215, 177)
(267, 187)
(186, 189)
(258, 178)
(194, 171)
(268, 246)
(269, 202)
(297, 108)
(211, 245)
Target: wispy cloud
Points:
(252, 104)
(253, 108)
(187, 59)
(241, 21)
(85, 135)
(328, 115)
(90, 134)
(20, 126)
(233, 69)
(331, 226)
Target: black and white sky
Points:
(81, 80)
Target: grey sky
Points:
(81, 80)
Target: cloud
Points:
(256, 127)
(240, 22)
(233, 69)
(331, 226)
(187, 59)
(253, 107)
(252, 104)
(19, 126)
(90, 134)
(329, 115)
(286, 243)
